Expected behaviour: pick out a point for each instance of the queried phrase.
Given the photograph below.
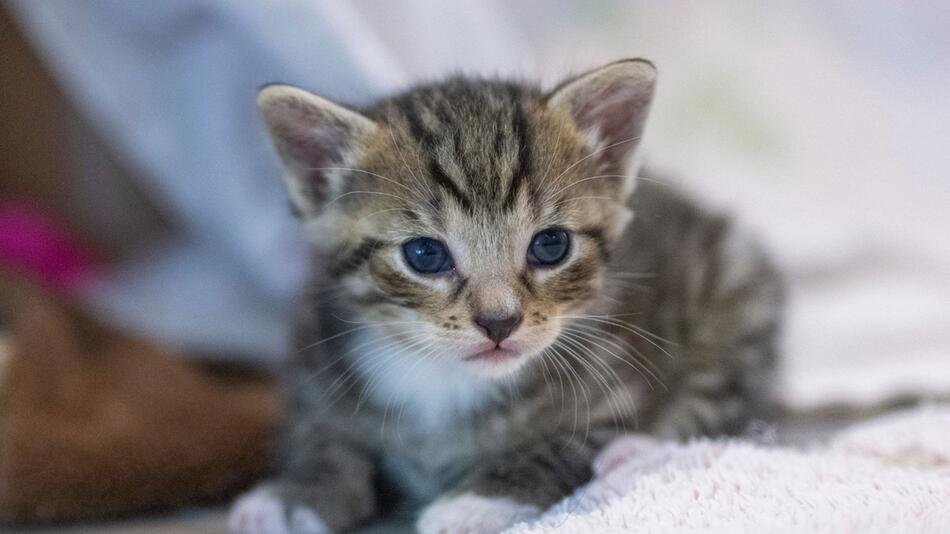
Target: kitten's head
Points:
(466, 219)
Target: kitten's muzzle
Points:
(497, 328)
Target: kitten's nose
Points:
(498, 328)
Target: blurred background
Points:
(823, 125)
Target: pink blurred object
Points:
(32, 243)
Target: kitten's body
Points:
(665, 325)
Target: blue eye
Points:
(549, 247)
(427, 255)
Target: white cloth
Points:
(883, 476)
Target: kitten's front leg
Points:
(331, 490)
(511, 488)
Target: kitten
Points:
(483, 316)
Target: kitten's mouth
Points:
(496, 354)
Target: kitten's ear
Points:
(610, 104)
(312, 136)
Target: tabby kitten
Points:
(483, 317)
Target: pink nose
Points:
(498, 328)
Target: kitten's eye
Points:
(427, 255)
(549, 247)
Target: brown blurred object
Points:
(53, 160)
(96, 424)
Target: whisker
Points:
(338, 318)
(603, 316)
(560, 381)
(350, 169)
(621, 284)
(428, 351)
(424, 340)
(643, 370)
(401, 153)
(359, 357)
(363, 192)
(643, 333)
(615, 408)
(584, 391)
(578, 199)
(587, 179)
(547, 170)
(637, 178)
(655, 181)
(564, 365)
(335, 336)
(361, 219)
(597, 333)
(543, 364)
(594, 153)
(351, 370)
(371, 342)
(630, 274)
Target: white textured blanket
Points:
(891, 474)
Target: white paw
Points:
(260, 511)
(620, 450)
(473, 514)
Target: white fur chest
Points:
(421, 389)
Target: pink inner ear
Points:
(621, 113)
(313, 151)
(615, 113)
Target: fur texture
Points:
(395, 392)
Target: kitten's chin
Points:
(493, 355)
(496, 363)
(507, 359)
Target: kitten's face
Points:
(467, 220)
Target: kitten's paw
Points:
(262, 511)
(473, 514)
(621, 450)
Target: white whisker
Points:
(594, 153)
